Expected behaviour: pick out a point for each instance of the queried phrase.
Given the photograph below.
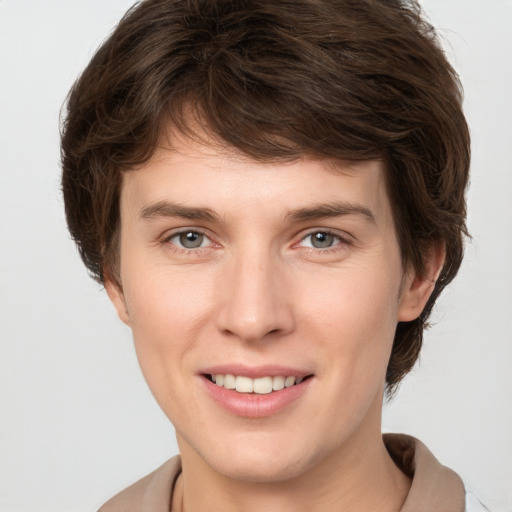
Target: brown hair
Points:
(348, 79)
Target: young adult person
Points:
(272, 194)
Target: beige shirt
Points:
(435, 488)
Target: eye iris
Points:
(321, 240)
(191, 239)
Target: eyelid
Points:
(343, 237)
(168, 235)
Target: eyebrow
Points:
(320, 211)
(168, 209)
(330, 210)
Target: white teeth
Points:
(229, 381)
(260, 386)
(277, 383)
(289, 382)
(244, 384)
(263, 385)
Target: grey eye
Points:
(191, 239)
(322, 240)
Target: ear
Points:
(116, 295)
(417, 288)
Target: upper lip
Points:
(254, 372)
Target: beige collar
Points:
(434, 486)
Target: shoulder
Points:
(152, 493)
(434, 486)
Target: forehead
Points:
(222, 179)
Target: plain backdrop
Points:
(77, 422)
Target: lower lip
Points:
(253, 405)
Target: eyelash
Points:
(342, 241)
(167, 241)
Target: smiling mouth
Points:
(258, 386)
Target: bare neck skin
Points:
(358, 478)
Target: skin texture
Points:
(257, 292)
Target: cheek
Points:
(163, 298)
(167, 310)
(354, 317)
(361, 298)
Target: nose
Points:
(256, 300)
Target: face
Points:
(282, 281)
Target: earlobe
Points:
(116, 295)
(417, 288)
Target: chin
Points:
(260, 469)
(259, 459)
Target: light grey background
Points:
(77, 422)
